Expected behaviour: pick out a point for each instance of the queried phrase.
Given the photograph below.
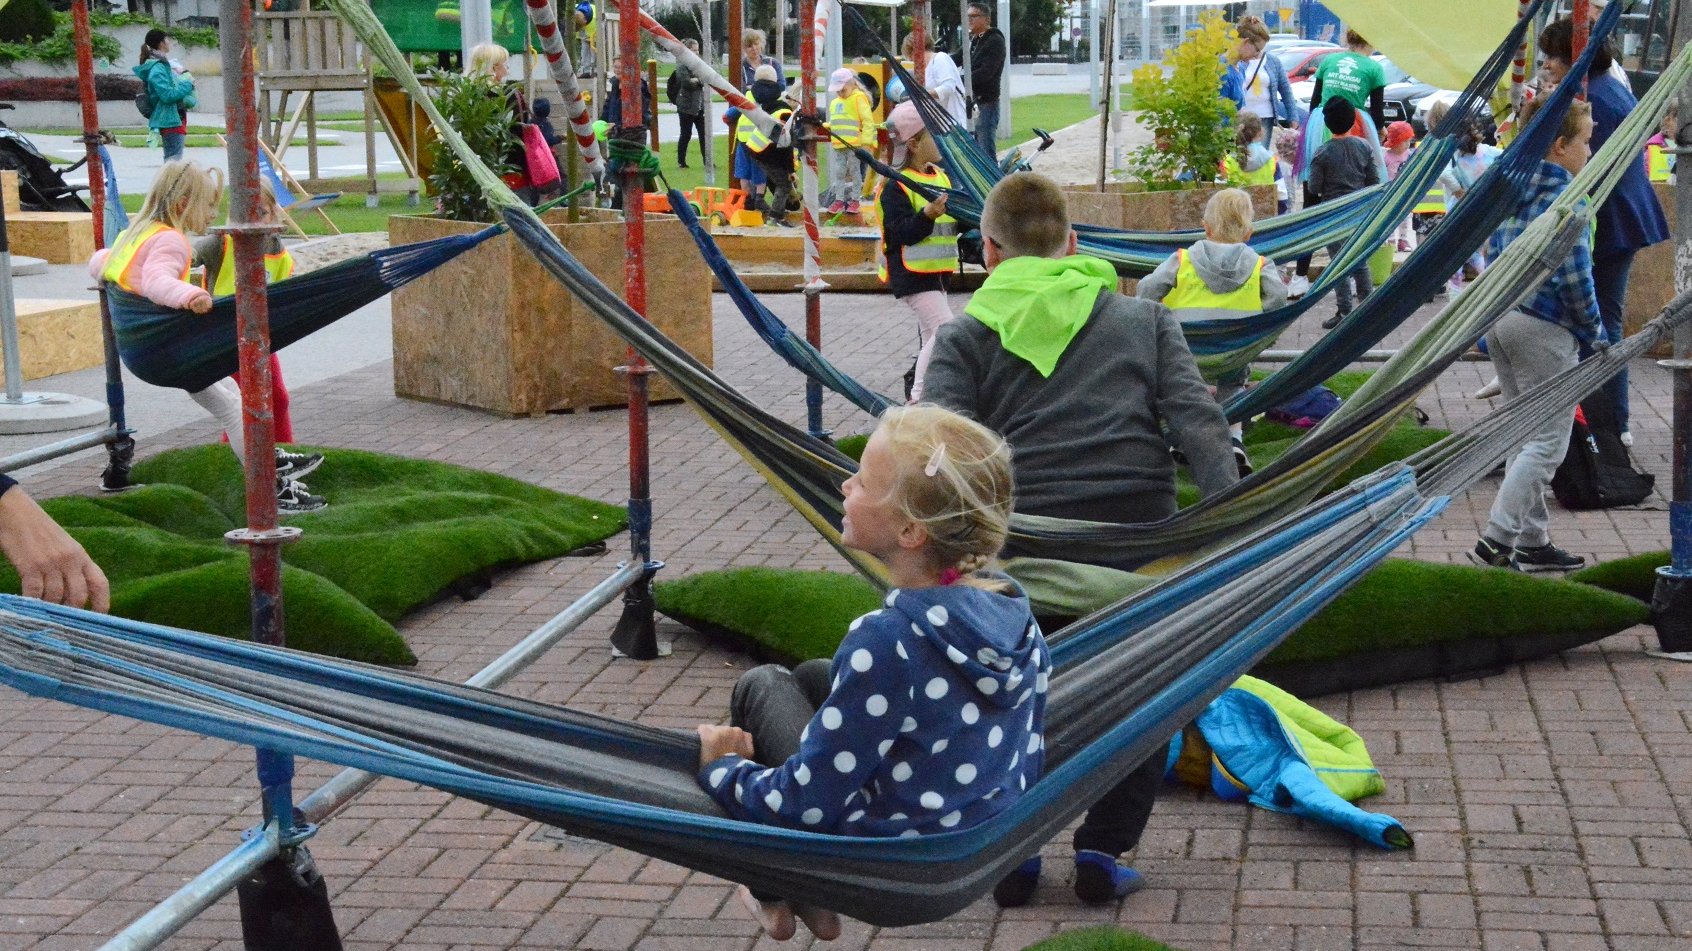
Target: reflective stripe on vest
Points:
(753, 137)
(1658, 163)
(120, 264)
(277, 267)
(1433, 203)
(935, 254)
(843, 121)
(1264, 175)
(1192, 299)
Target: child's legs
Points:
(1609, 278)
(1342, 287)
(931, 311)
(839, 176)
(1365, 280)
(773, 704)
(223, 400)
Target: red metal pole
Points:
(919, 46)
(1582, 14)
(635, 635)
(262, 536)
(122, 448)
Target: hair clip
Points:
(933, 467)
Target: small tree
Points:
(1185, 108)
(481, 112)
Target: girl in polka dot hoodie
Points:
(929, 717)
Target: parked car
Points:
(1403, 92)
(1301, 62)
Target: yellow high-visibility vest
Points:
(1236, 175)
(276, 267)
(843, 121)
(1192, 294)
(1433, 203)
(753, 137)
(1659, 164)
(935, 254)
(120, 264)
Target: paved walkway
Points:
(1550, 803)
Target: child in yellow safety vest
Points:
(151, 258)
(216, 253)
(851, 122)
(919, 241)
(1219, 278)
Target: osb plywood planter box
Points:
(494, 330)
(1650, 285)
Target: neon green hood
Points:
(1038, 305)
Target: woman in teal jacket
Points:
(172, 94)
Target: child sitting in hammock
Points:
(1220, 277)
(151, 259)
(929, 719)
(216, 254)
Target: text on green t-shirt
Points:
(1351, 75)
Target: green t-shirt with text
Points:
(1351, 75)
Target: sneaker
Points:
(1298, 287)
(1490, 390)
(1547, 557)
(293, 499)
(1100, 878)
(836, 207)
(1404, 245)
(1241, 460)
(1017, 888)
(295, 465)
(852, 208)
(1490, 554)
(1627, 438)
(776, 917)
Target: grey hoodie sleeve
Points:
(1185, 403)
(1273, 290)
(954, 373)
(1157, 285)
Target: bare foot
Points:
(823, 923)
(776, 917)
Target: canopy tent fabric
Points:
(1443, 42)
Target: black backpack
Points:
(1596, 472)
(144, 103)
(672, 89)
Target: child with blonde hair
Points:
(1220, 278)
(852, 119)
(930, 716)
(151, 258)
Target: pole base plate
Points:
(49, 413)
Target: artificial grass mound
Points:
(1410, 619)
(1635, 577)
(1099, 938)
(398, 533)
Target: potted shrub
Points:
(492, 329)
(1175, 175)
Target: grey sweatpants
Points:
(1525, 352)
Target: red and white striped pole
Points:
(541, 14)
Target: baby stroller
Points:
(41, 185)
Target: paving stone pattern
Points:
(1550, 803)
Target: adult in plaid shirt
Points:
(1531, 344)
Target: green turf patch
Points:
(398, 533)
(798, 615)
(1099, 938)
(1635, 577)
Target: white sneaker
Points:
(1298, 287)
(1490, 390)
(1627, 438)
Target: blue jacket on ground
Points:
(933, 723)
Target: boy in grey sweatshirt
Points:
(1080, 381)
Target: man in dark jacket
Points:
(987, 51)
(1081, 382)
(687, 93)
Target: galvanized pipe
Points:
(9, 318)
(64, 447)
(167, 917)
(813, 232)
(332, 796)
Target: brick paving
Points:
(1550, 802)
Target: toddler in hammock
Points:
(929, 718)
(151, 259)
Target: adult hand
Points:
(935, 208)
(716, 742)
(52, 566)
(201, 305)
